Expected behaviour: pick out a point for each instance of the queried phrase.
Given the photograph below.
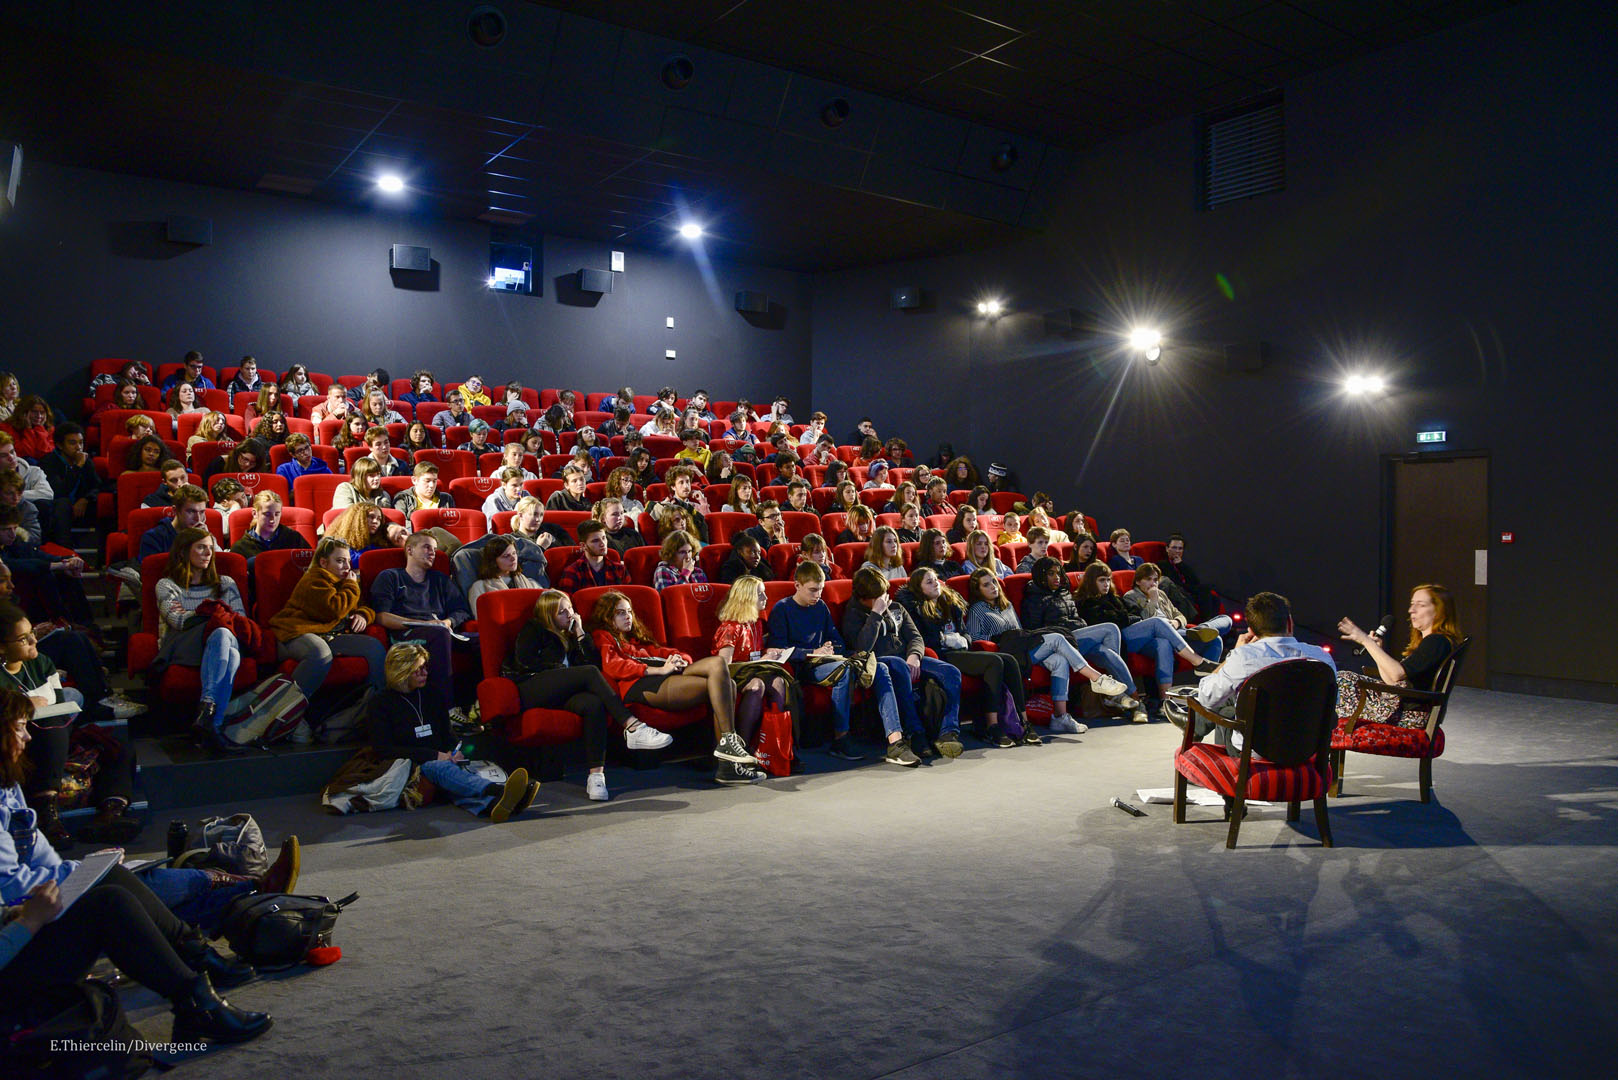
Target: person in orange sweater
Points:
(646, 673)
(323, 619)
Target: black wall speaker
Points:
(189, 230)
(410, 257)
(756, 303)
(595, 281)
(906, 298)
(1246, 356)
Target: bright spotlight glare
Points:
(1153, 354)
(1360, 385)
(991, 308)
(1145, 339)
(390, 183)
(691, 231)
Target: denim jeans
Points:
(1061, 659)
(842, 695)
(1157, 638)
(904, 692)
(189, 894)
(464, 786)
(221, 657)
(1212, 650)
(1102, 646)
(314, 655)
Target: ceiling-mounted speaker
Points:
(835, 112)
(486, 26)
(410, 257)
(678, 71)
(906, 298)
(1246, 356)
(189, 230)
(1004, 157)
(755, 303)
(596, 281)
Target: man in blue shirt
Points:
(304, 462)
(191, 373)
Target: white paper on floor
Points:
(1194, 796)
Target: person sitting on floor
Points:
(403, 722)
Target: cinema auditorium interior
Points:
(808, 538)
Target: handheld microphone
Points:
(1380, 633)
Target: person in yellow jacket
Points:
(324, 619)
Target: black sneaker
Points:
(998, 737)
(731, 772)
(843, 747)
(1206, 667)
(949, 744)
(1030, 737)
(731, 748)
(922, 747)
(899, 753)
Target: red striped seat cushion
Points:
(1388, 740)
(1210, 766)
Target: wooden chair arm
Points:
(1408, 693)
(1199, 709)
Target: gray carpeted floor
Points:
(986, 917)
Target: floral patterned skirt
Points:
(1380, 706)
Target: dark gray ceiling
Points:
(566, 126)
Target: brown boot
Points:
(49, 821)
(282, 876)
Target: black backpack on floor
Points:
(88, 1013)
(275, 931)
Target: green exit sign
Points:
(1431, 436)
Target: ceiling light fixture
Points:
(991, 308)
(390, 183)
(1148, 342)
(691, 231)
(1360, 385)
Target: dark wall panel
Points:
(85, 272)
(1439, 222)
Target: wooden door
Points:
(1439, 518)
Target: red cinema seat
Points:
(567, 519)
(292, 517)
(452, 464)
(471, 491)
(1001, 502)
(1150, 550)
(180, 685)
(691, 615)
(542, 488)
(354, 453)
(469, 525)
(799, 524)
(275, 574)
(314, 492)
(640, 562)
(783, 561)
(255, 482)
(849, 556)
(711, 558)
(722, 526)
(556, 557)
(501, 616)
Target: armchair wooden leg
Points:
(1426, 779)
(1179, 797)
(1339, 758)
(1293, 810)
(1322, 822)
(1238, 810)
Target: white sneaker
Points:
(645, 737)
(123, 708)
(129, 575)
(595, 787)
(1066, 725)
(1107, 686)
